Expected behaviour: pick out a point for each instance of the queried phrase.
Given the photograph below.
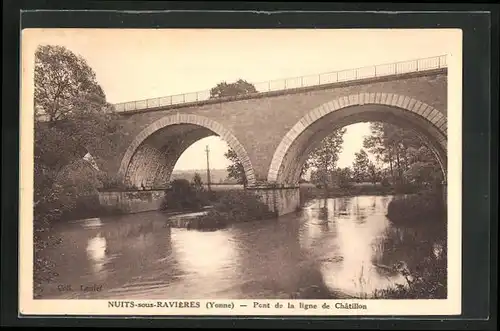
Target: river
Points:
(334, 248)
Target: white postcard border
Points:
(449, 306)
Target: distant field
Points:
(225, 187)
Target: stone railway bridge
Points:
(272, 132)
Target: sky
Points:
(135, 64)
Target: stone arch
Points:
(397, 109)
(150, 158)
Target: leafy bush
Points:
(232, 207)
(182, 195)
(427, 280)
(419, 207)
(241, 206)
(405, 188)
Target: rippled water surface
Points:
(334, 248)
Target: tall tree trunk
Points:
(325, 187)
(398, 165)
(391, 166)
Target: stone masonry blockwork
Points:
(260, 123)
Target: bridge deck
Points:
(287, 84)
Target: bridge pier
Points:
(130, 202)
(281, 199)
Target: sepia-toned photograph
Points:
(218, 171)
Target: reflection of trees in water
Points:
(384, 201)
(311, 283)
(318, 224)
(323, 215)
(275, 259)
(139, 249)
(409, 244)
(269, 256)
(419, 253)
(114, 253)
(343, 206)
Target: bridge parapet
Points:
(349, 75)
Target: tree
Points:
(224, 89)
(373, 174)
(424, 170)
(400, 148)
(75, 120)
(78, 120)
(181, 196)
(235, 169)
(324, 158)
(73, 104)
(344, 177)
(197, 183)
(304, 169)
(360, 166)
(65, 84)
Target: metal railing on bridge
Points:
(381, 70)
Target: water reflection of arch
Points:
(206, 261)
(349, 267)
(74, 263)
(138, 248)
(273, 262)
(96, 252)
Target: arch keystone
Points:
(324, 109)
(371, 98)
(317, 113)
(353, 99)
(383, 98)
(336, 105)
(416, 107)
(346, 101)
(406, 102)
(400, 101)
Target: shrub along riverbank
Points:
(233, 207)
(227, 207)
(424, 206)
(427, 279)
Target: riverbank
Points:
(426, 278)
(423, 206)
(310, 191)
(188, 201)
(140, 256)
